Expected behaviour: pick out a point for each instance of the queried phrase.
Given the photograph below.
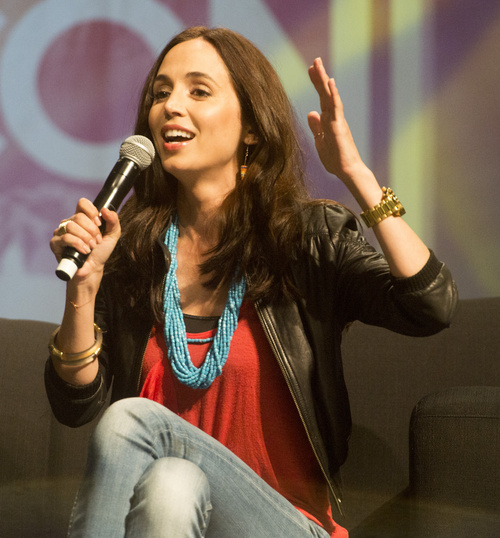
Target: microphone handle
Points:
(116, 187)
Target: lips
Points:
(175, 136)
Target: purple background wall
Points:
(419, 80)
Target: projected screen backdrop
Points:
(419, 80)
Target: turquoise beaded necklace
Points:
(175, 328)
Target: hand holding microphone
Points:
(136, 154)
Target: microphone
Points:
(136, 153)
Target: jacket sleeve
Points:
(73, 405)
(363, 288)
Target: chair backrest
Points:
(455, 448)
(33, 444)
(387, 374)
(455, 464)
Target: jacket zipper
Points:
(270, 339)
(338, 500)
(143, 352)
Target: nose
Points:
(174, 104)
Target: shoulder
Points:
(323, 217)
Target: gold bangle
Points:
(389, 206)
(77, 359)
(78, 363)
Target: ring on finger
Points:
(321, 133)
(63, 227)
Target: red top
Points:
(250, 410)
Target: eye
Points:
(160, 95)
(200, 92)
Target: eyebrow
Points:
(191, 74)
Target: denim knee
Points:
(173, 493)
(126, 416)
(127, 407)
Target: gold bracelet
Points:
(77, 306)
(77, 359)
(76, 364)
(390, 205)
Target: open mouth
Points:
(176, 135)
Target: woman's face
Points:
(195, 118)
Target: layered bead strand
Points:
(175, 328)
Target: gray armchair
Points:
(447, 476)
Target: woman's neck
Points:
(196, 208)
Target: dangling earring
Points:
(243, 167)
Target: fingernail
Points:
(97, 220)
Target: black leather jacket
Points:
(341, 279)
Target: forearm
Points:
(77, 334)
(405, 252)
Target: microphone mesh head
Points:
(139, 149)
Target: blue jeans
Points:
(152, 474)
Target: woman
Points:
(224, 297)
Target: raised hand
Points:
(333, 138)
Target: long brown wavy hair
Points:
(259, 224)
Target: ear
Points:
(250, 138)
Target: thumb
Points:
(113, 228)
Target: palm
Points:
(335, 146)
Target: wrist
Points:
(364, 187)
(387, 207)
(80, 303)
(82, 290)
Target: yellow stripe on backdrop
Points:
(410, 152)
(350, 41)
(411, 159)
(274, 42)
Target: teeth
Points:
(177, 133)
